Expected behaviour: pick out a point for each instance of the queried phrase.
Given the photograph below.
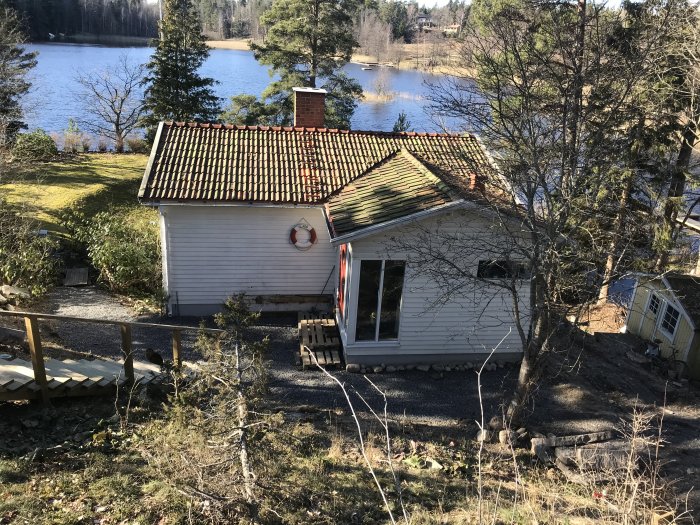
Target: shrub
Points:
(26, 259)
(123, 245)
(34, 146)
(137, 145)
(102, 145)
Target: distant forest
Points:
(63, 19)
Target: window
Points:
(670, 320)
(501, 269)
(654, 304)
(379, 300)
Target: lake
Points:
(54, 98)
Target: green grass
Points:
(89, 182)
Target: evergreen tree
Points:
(174, 88)
(15, 63)
(307, 44)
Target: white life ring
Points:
(303, 244)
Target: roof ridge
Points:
(288, 129)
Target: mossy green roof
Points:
(398, 186)
(221, 163)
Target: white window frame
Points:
(659, 303)
(380, 296)
(662, 317)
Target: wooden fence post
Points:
(34, 339)
(126, 350)
(177, 347)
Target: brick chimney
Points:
(309, 107)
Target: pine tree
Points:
(15, 63)
(174, 88)
(307, 44)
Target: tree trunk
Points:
(619, 222)
(618, 226)
(675, 192)
(248, 476)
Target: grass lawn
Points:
(92, 182)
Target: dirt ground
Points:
(588, 384)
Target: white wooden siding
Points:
(216, 251)
(472, 324)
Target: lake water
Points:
(54, 97)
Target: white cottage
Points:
(306, 216)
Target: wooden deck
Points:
(48, 378)
(319, 334)
(70, 378)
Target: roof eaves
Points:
(151, 160)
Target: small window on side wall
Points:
(669, 323)
(501, 269)
(654, 304)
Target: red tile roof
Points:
(223, 163)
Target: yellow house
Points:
(667, 308)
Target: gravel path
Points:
(436, 398)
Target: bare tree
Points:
(549, 100)
(113, 97)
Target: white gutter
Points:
(370, 230)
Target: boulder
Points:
(11, 292)
(10, 336)
(378, 369)
(3, 300)
(352, 368)
(485, 436)
(390, 369)
(423, 368)
(506, 437)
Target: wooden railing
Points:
(31, 323)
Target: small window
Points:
(670, 319)
(654, 304)
(501, 269)
(379, 300)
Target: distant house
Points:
(306, 216)
(667, 308)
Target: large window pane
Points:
(391, 299)
(370, 274)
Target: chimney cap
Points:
(320, 91)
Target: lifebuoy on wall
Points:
(303, 236)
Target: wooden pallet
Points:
(319, 334)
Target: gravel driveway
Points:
(430, 397)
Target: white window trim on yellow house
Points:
(663, 302)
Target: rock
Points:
(14, 291)
(3, 300)
(10, 336)
(581, 439)
(29, 423)
(485, 436)
(506, 437)
(363, 370)
(448, 368)
(496, 423)
(390, 369)
(423, 368)
(410, 367)
(438, 368)
(353, 368)
(468, 366)
(378, 369)
(401, 368)
(500, 364)
(603, 458)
